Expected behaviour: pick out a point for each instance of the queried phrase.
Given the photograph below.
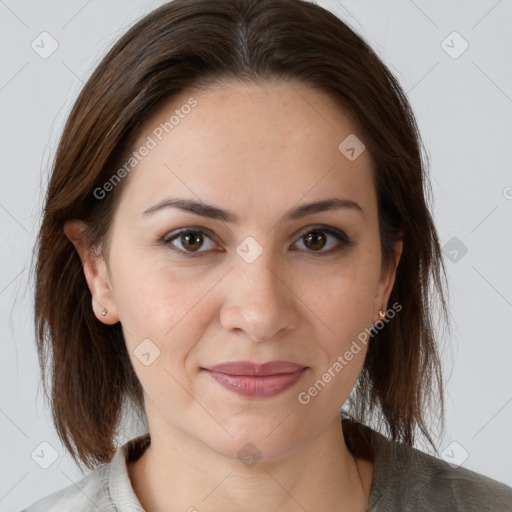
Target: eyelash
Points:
(339, 235)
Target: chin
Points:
(256, 437)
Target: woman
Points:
(236, 244)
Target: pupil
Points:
(192, 240)
(316, 240)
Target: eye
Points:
(188, 241)
(317, 238)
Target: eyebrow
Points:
(213, 212)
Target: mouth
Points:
(253, 380)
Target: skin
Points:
(257, 150)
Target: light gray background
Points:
(464, 109)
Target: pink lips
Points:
(257, 381)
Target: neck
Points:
(177, 473)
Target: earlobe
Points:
(95, 271)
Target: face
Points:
(254, 277)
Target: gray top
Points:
(405, 480)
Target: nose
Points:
(258, 300)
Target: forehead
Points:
(271, 142)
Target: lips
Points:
(249, 368)
(254, 380)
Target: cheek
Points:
(343, 301)
(163, 304)
(173, 304)
(342, 340)
(163, 317)
(344, 297)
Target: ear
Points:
(95, 271)
(387, 278)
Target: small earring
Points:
(382, 314)
(103, 311)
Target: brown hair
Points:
(180, 45)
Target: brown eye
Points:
(189, 241)
(316, 239)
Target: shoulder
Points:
(410, 480)
(440, 484)
(87, 495)
(425, 482)
(107, 488)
